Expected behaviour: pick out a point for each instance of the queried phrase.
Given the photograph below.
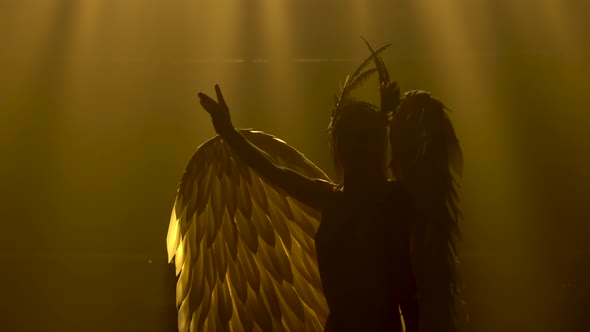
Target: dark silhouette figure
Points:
(261, 236)
(363, 242)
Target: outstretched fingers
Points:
(220, 99)
(207, 102)
(217, 110)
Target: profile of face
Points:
(359, 138)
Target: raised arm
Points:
(312, 192)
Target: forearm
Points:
(256, 158)
(302, 188)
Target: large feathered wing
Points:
(244, 250)
(427, 159)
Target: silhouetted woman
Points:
(363, 243)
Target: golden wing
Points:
(244, 250)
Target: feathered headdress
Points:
(358, 78)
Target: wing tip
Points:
(173, 236)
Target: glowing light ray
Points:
(465, 75)
(561, 28)
(363, 22)
(278, 45)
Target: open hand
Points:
(218, 110)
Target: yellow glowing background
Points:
(98, 116)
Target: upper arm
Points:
(310, 191)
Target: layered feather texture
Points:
(427, 159)
(243, 249)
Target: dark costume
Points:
(249, 206)
(363, 247)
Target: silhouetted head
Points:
(359, 138)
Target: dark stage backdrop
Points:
(98, 116)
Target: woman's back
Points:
(363, 248)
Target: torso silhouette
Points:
(362, 244)
(363, 241)
(363, 249)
